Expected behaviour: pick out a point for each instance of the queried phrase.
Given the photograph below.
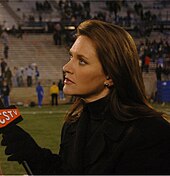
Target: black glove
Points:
(19, 145)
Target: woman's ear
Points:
(109, 82)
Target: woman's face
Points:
(84, 76)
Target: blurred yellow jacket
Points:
(54, 89)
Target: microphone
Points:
(8, 117)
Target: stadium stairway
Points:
(37, 49)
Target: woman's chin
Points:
(68, 92)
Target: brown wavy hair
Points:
(119, 58)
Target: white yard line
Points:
(42, 112)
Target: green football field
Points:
(44, 124)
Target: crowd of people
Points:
(18, 77)
(27, 77)
(158, 53)
(43, 6)
(135, 17)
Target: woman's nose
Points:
(67, 68)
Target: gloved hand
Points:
(19, 145)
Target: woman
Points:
(111, 128)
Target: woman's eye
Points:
(82, 62)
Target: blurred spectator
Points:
(37, 74)
(20, 32)
(22, 75)
(54, 90)
(29, 74)
(17, 77)
(160, 61)
(47, 5)
(40, 94)
(60, 86)
(13, 30)
(5, 91)
(57, 36)
(6, 49)
(113, 6)
(43, 6)
(147, 63)
(8, 76)
(5, 41)
(3, 67)
(158, 72)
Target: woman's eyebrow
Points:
(78, 55)
(81, 55)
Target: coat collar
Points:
(97, 108)
(110, 129)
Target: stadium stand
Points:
(37, 47)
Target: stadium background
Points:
(31, 32)
(32, 26)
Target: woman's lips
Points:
(68, 81)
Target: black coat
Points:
(99, 144)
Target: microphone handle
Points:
(27, 168)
